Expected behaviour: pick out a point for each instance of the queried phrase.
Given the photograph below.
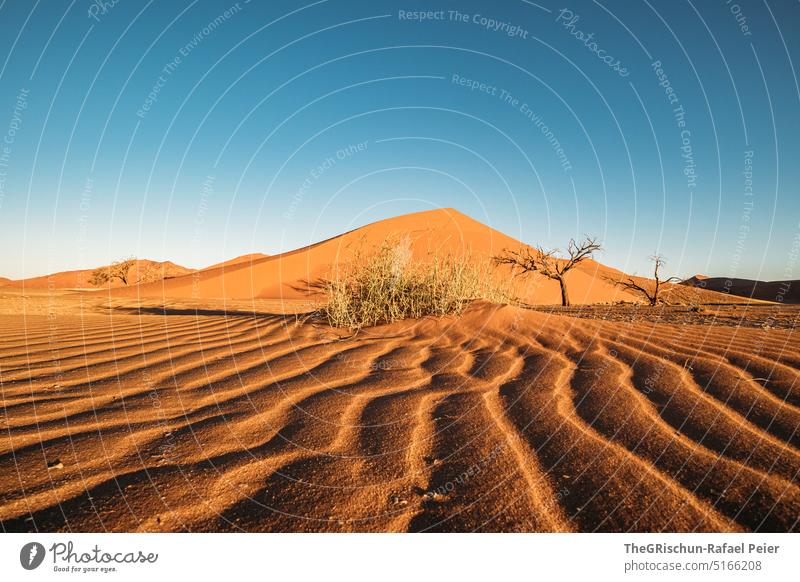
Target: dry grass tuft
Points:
(386, 286)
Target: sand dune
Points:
(248, 258)
(218, 400)
(499, 420)
(142, 270)
(293, 275)
(777, 291)
(297, 274)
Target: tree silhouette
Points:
(116, 270)
(547, 262)
(651, 296)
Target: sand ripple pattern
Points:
(500, 420)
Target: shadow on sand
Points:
(255, 314)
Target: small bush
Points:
(386, 286)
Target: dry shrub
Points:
(385, 286)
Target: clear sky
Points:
(198, 131)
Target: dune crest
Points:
(296, 274)
(247, 258)
(143, 270)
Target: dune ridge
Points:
(300, 273)
(143, 270)
(249, 257)
(297, 274)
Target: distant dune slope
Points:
(297, 274)
(293, 274)
(250, 257)
(499, 420)
(778, 291)
(142, 270)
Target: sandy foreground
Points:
(123, 417)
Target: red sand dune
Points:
(776, 291)
(142, 269)
(188, 413)
(499, 420)
(248, 258)
(295, 274)
(289, 275)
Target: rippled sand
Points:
(171, 419)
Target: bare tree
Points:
(116, 270)
(547, 262)
(651, 295)
(153, 272)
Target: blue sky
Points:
(198, 131)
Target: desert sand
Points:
(296, 274)
(234, 408)
(248, 258)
